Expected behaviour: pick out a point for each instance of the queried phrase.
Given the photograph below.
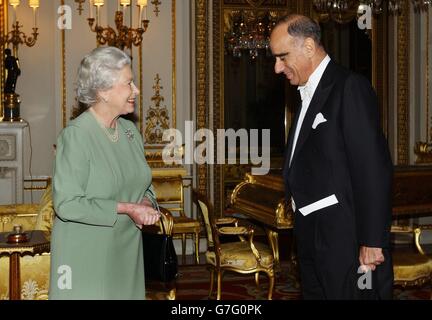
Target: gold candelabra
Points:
(16, 37)
(124, 36)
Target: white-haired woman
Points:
(102, 188)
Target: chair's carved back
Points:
(206, 209)
(170, 193)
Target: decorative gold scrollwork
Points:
(157, 119)
(423, 151)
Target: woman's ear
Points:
(103, 96)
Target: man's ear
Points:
(309, 47)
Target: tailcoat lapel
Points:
(290, 142)
(318, 101)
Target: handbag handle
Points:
(161, 221)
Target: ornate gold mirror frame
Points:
(203, 22)
(222, 11)
(3, 32)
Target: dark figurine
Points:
(12, 71)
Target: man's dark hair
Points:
(301, 27)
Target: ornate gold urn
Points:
(11, 107)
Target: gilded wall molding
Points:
(141, 99)
(155, 160)
(423, 150)
(379, 38)
(427, 78)
(63, 72)
(201, 79)
(174, 64)
(3, 31)
(261, 4)
(218, 104)
(157, 119)
(403, 44)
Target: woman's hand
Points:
(147, 202)
(141, 214)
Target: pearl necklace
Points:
(114, 137)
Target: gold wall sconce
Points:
(16, 37)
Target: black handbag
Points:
(160, 258)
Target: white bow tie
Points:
(305, 92)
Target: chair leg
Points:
(257, 279)
(183, 248)
(211, 282)
(219, 284)
(271, 284)
(197, 239)
(172, 294)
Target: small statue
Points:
(12, 71)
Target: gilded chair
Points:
(243, 256)
(411, 266)
(157, 290)
(34, 271)
(170, 194)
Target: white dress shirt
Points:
(306, 93)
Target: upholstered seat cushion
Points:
(185, 222)
(411, 267)
(239, 255)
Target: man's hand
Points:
(370, 257)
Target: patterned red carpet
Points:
(193, 284)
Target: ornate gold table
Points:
(38, 243)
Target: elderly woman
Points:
(102, 188)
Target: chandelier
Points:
(248, 30)
(421, 5)
(344, 10)
(124, 36)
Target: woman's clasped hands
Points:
(141, 213)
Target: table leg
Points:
(14, 277)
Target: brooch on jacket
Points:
(129, 134)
